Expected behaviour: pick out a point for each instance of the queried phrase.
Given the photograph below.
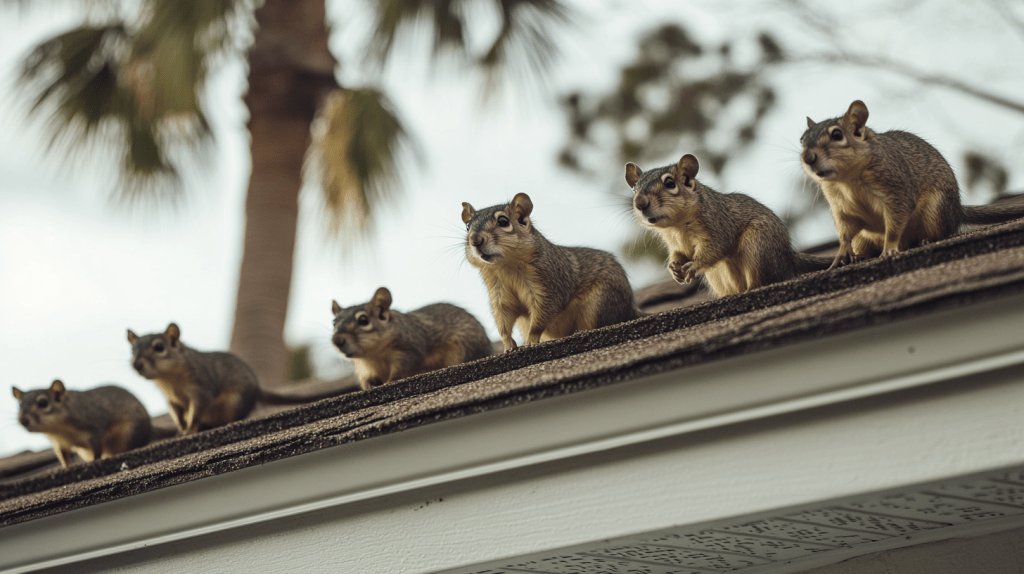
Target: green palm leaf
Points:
(133, 85)
(522, 47)
(357, 140)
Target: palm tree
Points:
(135, 82)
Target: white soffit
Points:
(938, 347)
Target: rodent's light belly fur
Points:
(858, 206)
(725, 277)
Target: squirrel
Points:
(387, 345)
(736, 242)
(98, 423)
(547, 290)
(888, 191)
(203, 389)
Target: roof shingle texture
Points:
(976, 266)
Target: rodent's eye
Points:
(467, 226)
(836, 135)
(669, 183)
(158, 347)
(363, 320)
(42, 402)
(503, 221)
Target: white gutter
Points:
(868, 362)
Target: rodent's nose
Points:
(339, 340)
(24, 420)
(138, 365)
(476, 239)
(809, 157)
(641, 201)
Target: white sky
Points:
(76, 270)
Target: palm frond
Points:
(134, 86)
(357, 142)
(93, 7)
(522, 48)
(447, 22)
(76, 68)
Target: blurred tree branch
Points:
(680, 96)
(823, 24)
(676, 96)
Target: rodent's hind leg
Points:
(864, 247)
(229, 406)
(894, 228)
(370, 382)
(505, 326)
(64, 456)
(193, 415)
(177, 415)
(509, 342)
(95, 449)
(535, 333)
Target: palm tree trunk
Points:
(290, 70)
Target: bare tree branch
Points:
(916, 75)
(1009, 15)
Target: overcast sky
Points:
(77, 270)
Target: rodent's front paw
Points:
(844, 259)
(682, 272)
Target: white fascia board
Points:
(871, 361)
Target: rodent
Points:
(736, 242)
(203, 389)
(888, 191)
(547, 290)
(97, 423)
(387, 345)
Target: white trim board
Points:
(753, 473)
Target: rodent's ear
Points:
(686, 171)
(633, 173)
(335, 308)
(132, 337)
(382, 301)
(811, 123)
(57, 388)
(522, 207)
(857, 117)
(467, 212)
(173, 333)
(16, 392)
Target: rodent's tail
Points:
(309, 392)
(806, 263)
(161, 432)
(984, 214)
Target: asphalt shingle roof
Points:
(976, 266)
